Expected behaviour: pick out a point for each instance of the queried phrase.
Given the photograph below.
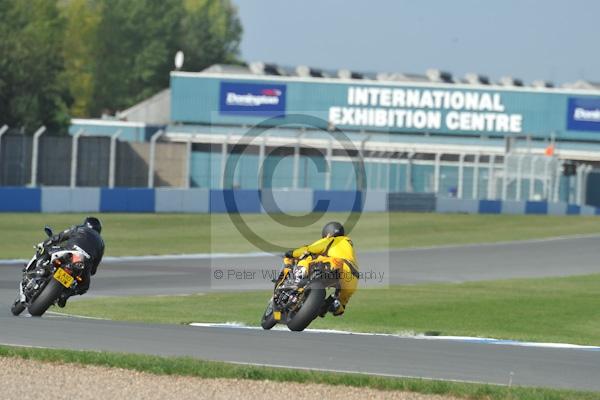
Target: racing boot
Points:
(62, 300)
(326, 306)
(336, 308)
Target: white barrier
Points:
(182, 200)
(452, 205)
(287, 200)
(513, 207)
(375, 201)
(64, 199)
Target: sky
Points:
(551, 40)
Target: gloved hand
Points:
(39, 248)
(42, 246)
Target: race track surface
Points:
(386, 355)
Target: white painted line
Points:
(286, 367)
(347, 371)
(59, 314)
(24, 346)
(470, 339)
(13, 261)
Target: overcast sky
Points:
(551, 39)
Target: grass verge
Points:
(144, 234)
(209, 369)
(563, 310)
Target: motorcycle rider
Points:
(335, 252)
(87, 238)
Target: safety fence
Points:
(137, 200)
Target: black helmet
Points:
(93, 223)
(332, 229)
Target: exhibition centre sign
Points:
(395, 107)
(425, 109)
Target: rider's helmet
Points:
(93, 223)
(332, 229)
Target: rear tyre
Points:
(311, 307)
(48, 296)
(17, 307)
(268, 321)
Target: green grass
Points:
(142, 234)
(545, 310)
(186, 366)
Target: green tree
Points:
(82, 18)
(133, 49)
(211, 33)
(137, 41)
(31, 62)
(86, 56)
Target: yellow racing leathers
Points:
(338, 253)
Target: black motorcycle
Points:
(50, 273)
(297, 300)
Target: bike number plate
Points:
(63, 277)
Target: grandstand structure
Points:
(303, 127)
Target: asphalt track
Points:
(384, 355)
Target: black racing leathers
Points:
(87, 240)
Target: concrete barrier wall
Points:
(287, 201)
(337, 200)
(127, 200)
(513, 207)
(375, 201)
(536, 207)
(415, 202)
(20, 199)
(451, 205)
(63, 199)
(245, 201)
(196, 200)
(182, 200)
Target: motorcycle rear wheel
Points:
(48, 296)
(311, 307)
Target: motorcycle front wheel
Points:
(268, 321)
(48, 296)
(17, 307)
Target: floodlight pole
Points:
(296, 173)
(547, 178)
(188, 163)
(112, 164)
(534, 161)
(491, 191)
(261, 160)
(329, 165)
(519, 177)
(363, 146)
(3, 130)
(74, 153)
(409, 164)
(461, 175)
(34, 155)
(224, 160)
(436, 173)
(557, 181)
(476, 177)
